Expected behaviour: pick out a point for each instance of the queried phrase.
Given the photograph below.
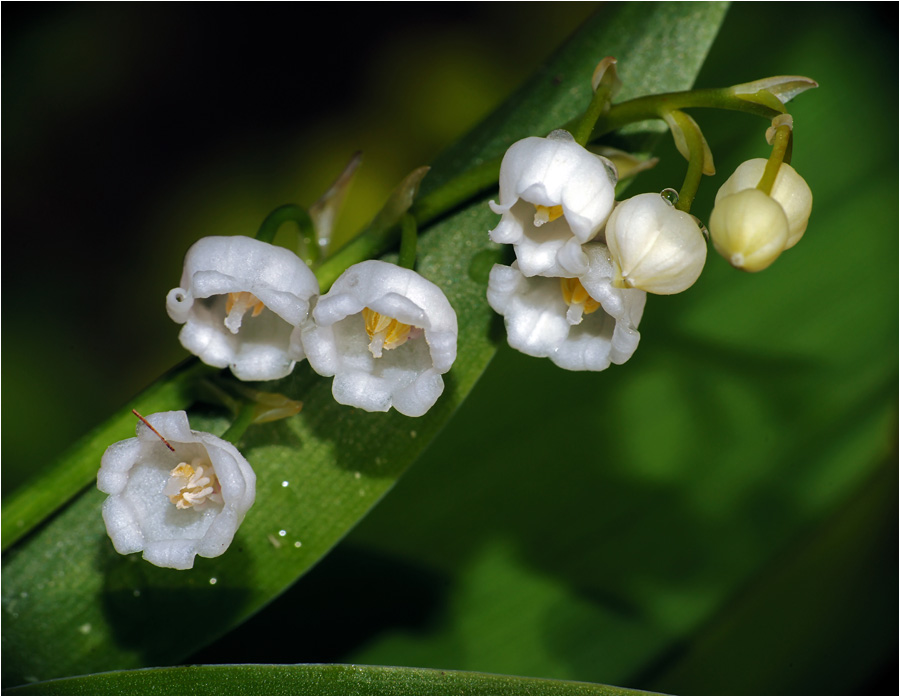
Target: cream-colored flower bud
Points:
(749, 229)
(656, 247)
(790, 191)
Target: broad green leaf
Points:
(71, 605)
(716, 516)
(311, 680)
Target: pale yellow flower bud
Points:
(790, 191)
(749, 229)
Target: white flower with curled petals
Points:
(655, 247)
(239, 301)
(386, 334)
(554, 196)
(582, 323)
(174, 505)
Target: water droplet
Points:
(85, 628)
(670, 196)
(213, 581)
(285, 483)
(282, 533)
(298, 544)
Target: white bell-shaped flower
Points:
(656, 247)
(580, 323)
(174, 505)
(554, 196)
(790, 191)
(386, 334)
(749, 229)
(239, 301)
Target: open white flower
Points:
(554, 196)
(655, 247)
(239, 301)
(580, 323)
(386, 334)
(170, 505)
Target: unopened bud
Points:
(790, 191)
(656, 247)
(749, 229)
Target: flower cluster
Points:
(575, 294)
(385, 333)
(584, 265)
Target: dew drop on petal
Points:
(670, 196)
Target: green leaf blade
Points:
(311, 680)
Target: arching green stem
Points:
(408, 238)
(599, 104)
(694, 140)
(655, 105)
(309, 248)
(243, 420)
(781, 148)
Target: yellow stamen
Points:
(385, 333)
(546, 214)
(193, 486)
(247, 299)
(575, 294)
(236, 305)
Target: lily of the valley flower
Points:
(554, 196)
(580, 323)
(170, 505)
(239, 301)
(386, 334)
(654, 246)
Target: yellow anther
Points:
(385, 333)
(575, 294)
(546, 214)
(192, 486)
(245, 299)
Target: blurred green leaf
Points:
(311, 680)
(71, 605)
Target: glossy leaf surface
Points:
(312, 680)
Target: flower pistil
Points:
(237, 305)
(577, 298)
